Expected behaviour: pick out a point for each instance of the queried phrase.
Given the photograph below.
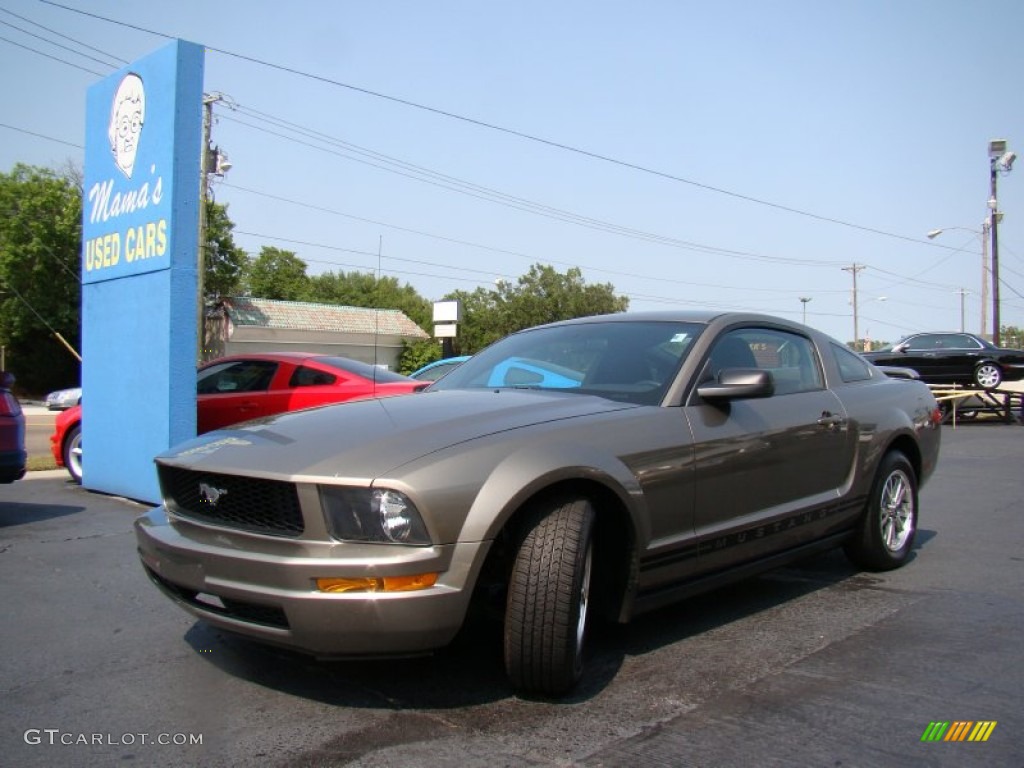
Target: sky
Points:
(741, 156)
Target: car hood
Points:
(361, 440)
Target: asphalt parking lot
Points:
(814, 665)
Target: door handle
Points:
(831, 421)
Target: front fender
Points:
(469, 491)
(528, 471)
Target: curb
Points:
(43, 474)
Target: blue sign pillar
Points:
(140, 235)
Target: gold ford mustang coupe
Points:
(593, 468)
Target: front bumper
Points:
(265, 588)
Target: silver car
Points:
(63, 399)
(671, 453)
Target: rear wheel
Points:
(988, 376)
(548, 598)
(73, 452)
(887, 530)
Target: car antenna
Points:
(376, 311)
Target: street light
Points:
(983, 235)
(804, 300)
(1000, 160)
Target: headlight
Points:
(372, 514)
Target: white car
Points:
(63, 399)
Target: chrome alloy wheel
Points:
(898, 515)
(584, 596)
(988, 376)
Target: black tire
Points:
(548, 597)
(886, 533)
(988, 375)
(72, 453)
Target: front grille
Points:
(248, 503)
(253, 613)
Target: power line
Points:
(55, 58)
(491, 273)
(65, 37)
(57, 45)
(40, 135)
(495, 249)
(902, 280)
(435, 178)
(555, 212)
(501, 129)
(525, 136)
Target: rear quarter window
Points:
(851, 366)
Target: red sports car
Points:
(244, 387)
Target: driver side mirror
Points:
(738, 383)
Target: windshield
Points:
(633, 361)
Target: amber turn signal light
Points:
(378, 584)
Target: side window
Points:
(311, 377)
(238, 376)
(852, 367)
(789, 357)
(961, 341)
(930, 341)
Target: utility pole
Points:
(211, 161)
(853, 270)
(984, 276)
(1000, 160)
(993, 203)
(962, 293)
(204, 195)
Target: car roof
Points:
(944, 333)
(291, 357)
(700, 316)
(444, 361)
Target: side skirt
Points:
(665, 595)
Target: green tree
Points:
(480, 324)
(1011, 336)
(364, 289)
(542, 295)
(277, 274)
(40, 269)
(224, 262)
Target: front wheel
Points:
(886, 533)
(988, 376)
(548, 598)
(73, 452)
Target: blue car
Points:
(514, 372)
(435, 370)
(523, 372)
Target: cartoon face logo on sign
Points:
(127, 114)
